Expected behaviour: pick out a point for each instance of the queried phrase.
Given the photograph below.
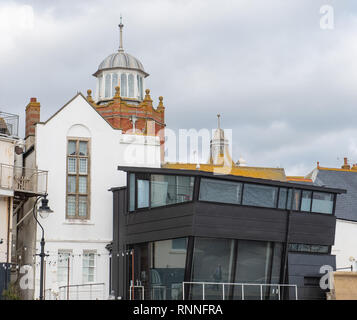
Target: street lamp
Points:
(44, 210)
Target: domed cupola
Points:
(120, 69)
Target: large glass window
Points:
(306, 200)
(77, 179)
(115, 83)
(293, 199)
(167, 189)
(132, 192)
(123, 85)
(107, 86)
(160, 269)
(234, 261)
(259, 195)
(220, 191)
(131, 85)
(322, 202)
(143, 187)
(283, 193)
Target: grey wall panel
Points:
(312, 228)
(308, 265)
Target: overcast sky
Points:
(286, 87)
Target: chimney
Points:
(32, 117)
(345, 164)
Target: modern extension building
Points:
(191, 234)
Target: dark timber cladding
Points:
(197, 218)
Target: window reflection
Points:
(220, 191)
(259, 195)
(322, 202)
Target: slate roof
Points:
(346, 205)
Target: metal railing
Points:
(90, 291)
(134, 289)
(23, 179)
(276, 289)
(9, 124)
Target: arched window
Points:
(114, 82)
(107, 86)
(131, 85)
(123, 85)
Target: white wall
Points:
(109, 148)
(345, 243)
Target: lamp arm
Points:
(34, 215)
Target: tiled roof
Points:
(253, 172)
(346, 205)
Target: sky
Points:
(281, 73)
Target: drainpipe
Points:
(8, 228)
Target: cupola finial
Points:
(121, 34)
(219, 121)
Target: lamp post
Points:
(44, 210)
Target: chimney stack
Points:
(32, 117)
(345, 164)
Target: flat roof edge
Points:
(230, 177)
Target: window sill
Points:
(78, 222)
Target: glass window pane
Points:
(179, 244)
(131, 85)
(71, 184)
(71, 205)
(83, 145)
(115, 82)
(72, 165)
(212, 262)
(306, 200)
(282, 198)
(132, 192)
(82, 207)
(72, 147)
(143, 193)
(322, 202)
(169, 189)
(107, 86)
(220, 191)
(259, 195)
(167, 270)
(295, 200)
(82, 185)
(83, 166)
(123, 85)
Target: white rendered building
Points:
(81, 147)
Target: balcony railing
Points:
(9, 124)
(90, 291)
(22, 179)
(240, 291)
